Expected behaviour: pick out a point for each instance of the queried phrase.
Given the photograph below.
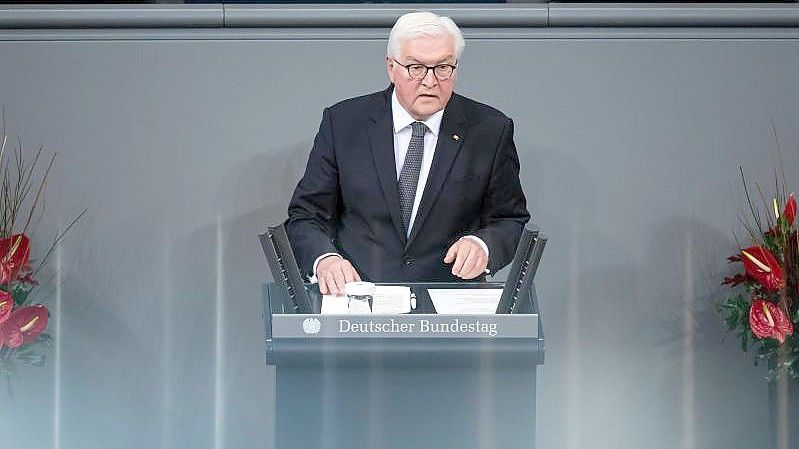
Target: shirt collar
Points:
(403, 119)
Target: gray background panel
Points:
(184, 149)
(527, 14)
(115, 16)
(675, 14)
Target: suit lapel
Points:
(381, 141)
(452, 125)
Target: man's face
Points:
(423, 98)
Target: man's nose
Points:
(429, 79)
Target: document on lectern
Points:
(334, 305)
(388, 300)
(391, 299)
(465, 301)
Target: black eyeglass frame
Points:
(428, 69)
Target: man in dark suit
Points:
(414, 183)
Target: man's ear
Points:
(390, 68)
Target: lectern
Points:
(410, 381)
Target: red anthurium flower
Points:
(6, 305)
(24, 325)
(14, 254)
(768, 320)
(13, 338)
(790, 210)
(761, 265)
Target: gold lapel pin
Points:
(456, 137)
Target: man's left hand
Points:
(469, 259)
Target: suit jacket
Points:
(347, 201)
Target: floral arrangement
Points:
(19, 323)
(23, 320)
(764, 306)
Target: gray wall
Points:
(184, 144)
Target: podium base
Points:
(413, 408)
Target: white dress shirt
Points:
(402, 137)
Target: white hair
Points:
(415, 24)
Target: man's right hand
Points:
(333, 272)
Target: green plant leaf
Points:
(20, 293)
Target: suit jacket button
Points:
(408, 262)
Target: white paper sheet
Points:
(465, 301)
(391, 299)
(334, 305)
(388, 299)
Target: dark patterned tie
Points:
(409, 176)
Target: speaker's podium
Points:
(410, 381)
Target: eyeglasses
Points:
(419, 71)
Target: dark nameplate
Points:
(405, 326)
